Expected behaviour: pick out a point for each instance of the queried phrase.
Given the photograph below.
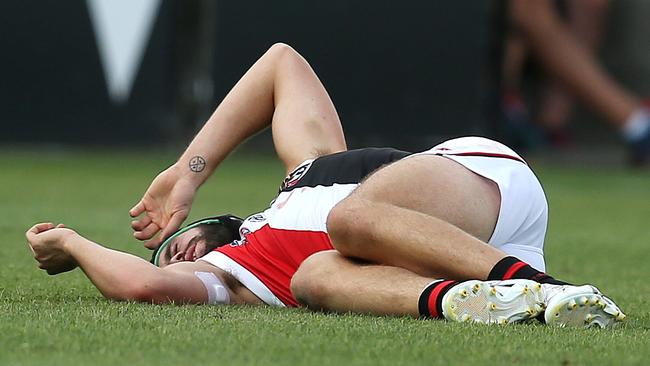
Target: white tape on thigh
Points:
(217, 290)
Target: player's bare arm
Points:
(280, 90)
(122, 276)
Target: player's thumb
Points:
(38, 228)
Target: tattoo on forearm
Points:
(197, 164)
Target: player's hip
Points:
(523, 211)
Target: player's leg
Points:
(433, 216)
(427, 214)
(328, 281)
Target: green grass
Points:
(598, 233)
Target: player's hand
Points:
(47, 242)
(163, 208)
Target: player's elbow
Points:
(147, 290)
(281, 48)
(284, 59)
(282, 51)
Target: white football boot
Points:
(490, 302)
(579, 306)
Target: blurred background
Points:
(98, 96)
(147, 73)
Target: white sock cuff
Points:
(637, 125)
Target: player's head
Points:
(197, 239)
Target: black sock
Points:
(430, 303)
(511, 268)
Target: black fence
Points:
(404, 73)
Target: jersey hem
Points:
(246, 277)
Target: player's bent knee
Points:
(346, 225)
(526, 16)
(311, 285)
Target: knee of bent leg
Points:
(346, 224)
(529, 16)
(312, 283)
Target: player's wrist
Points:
(194, 169)
(70, 242)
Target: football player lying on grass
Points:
(454, 232)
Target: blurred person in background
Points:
(563, 37)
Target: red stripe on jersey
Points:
(512, 270)
(273, 256)
(489, 155)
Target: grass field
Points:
(598, 232)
